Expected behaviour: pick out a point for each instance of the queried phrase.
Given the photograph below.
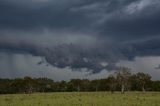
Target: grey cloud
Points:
(81, 33)
(117, 19)
(148, 47)
(74, 55)
(77, 56)
(57, 14)
(158, 67)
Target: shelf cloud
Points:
(81, 33)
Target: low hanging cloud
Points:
(81, 34)
(76, 55)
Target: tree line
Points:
(122, 80)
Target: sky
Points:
(65, 39)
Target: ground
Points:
(82, 99)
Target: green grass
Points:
(82, 99)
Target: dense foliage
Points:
(134, 82)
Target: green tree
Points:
(142, 80)
(112, 83)
(76, 84)
(122, 76)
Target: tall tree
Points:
(122, 76)
(112, 83)
(76, 84)
(142, 80)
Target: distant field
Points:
(82, 99)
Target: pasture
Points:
(82, 99)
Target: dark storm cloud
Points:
(126, 18)
(34, 14)
(150, 47)
(81, 33)
(68, 55)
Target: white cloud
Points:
(137, 7)
(94, 7)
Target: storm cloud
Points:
(81, 34)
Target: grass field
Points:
(81, 99)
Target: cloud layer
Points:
(81, 34)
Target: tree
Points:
(142, 80)
(122, 76)
(76, 84)
(94, 85)
(85, 85)
(133, 82)
(155, 85)
(112, 83)
(29, 84)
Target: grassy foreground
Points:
(81, 99)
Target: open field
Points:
(82, 99)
